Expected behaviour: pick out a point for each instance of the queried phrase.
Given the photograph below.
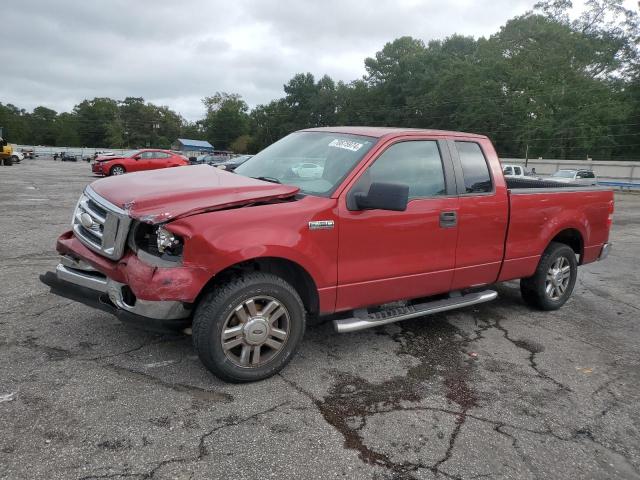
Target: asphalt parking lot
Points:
(493, 391)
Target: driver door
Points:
(143, 161)
(389, 255)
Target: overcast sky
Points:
(59, 52)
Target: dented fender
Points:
(147, 282)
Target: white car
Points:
(17, 156)
(579, 177)
(516, 171)
(307, 170)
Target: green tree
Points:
(67, 130)
(43, 126)
(97, 122)
(227, 119)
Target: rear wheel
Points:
(249, 328)
(8, 161)
(117, 170)
(552, 283)
(15, 159)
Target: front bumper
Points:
(97, 168)
(77, 280)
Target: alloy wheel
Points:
(255, 331)
(558, 278)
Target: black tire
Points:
(117, 170)
(8, 161)
(216, 310)
(15, 159)
(535, 289)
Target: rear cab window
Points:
(475, 170)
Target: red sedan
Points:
(137, 160)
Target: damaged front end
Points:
(122, 254)
(123, 266)
(77, 280)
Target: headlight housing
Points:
(155, 243)
(166, 240)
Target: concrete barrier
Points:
(79, 151)
(614, 172)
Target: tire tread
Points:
(215, 300)
(530, 289)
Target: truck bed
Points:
(541, 210)
(514, 183)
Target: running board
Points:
(363, 319)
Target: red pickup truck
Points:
(368, 225)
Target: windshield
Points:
(564, 174)
(317, 162)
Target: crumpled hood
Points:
(106, 158)
(157, 196)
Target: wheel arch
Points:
(571, 237)
(291, 272)
(117, 165)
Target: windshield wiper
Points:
(267, 179)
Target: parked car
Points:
(420, 219)
(230, 164)
(16, 156)
(137, 160)
(67, 157)
(222, 162)
(579, 177)
(518, 171)
(203, 159)
(97, 154)
(28, 153)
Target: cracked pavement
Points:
(491, 391)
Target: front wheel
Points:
(249, 328)
(117, 170)
(552, 283)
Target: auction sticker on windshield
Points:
(346, 144)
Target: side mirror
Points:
(383, 196)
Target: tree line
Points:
(543, 85)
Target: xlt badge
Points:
(321, 225)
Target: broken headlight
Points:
(156, 241)
(167, 241)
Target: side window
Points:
(162, 155)
(508, 171)
(474, 168)
(146, 155)
(416, 163)
(518, 170)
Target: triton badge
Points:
(321, 225)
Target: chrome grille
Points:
(100, 225)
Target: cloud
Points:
(58, 53)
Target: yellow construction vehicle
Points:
(6, 152)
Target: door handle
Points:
(448, 219)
